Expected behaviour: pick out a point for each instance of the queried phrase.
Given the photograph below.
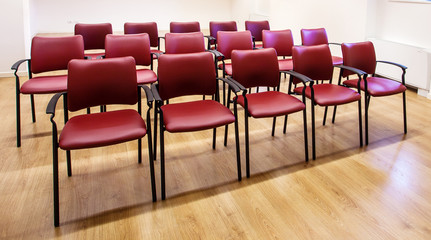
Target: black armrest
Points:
(16, 65)
(395, 64)
(148, 93)
(217, 54)
(234, 85)
(352, 69)
(299, 76)
(240, 86)
(211, 38)
(155, 92)
(331, 43)
(50, 109)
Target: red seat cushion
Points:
(195, 116)
(337, 60)
(285, 64)
(271, 103)
(145, 76)
(45, 84)
(378, 86)
(228, 68)
(330, 94)
(102, 129)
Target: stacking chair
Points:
(184, 27)
(185, 75)
(94, 83)
(362, 56)
(315, 63)
(137, 46)
(256, 28)
(252, 68)
(47, 54)
(147, 27)
(94, 37)
(219, 26)
(226, 42)
(317, 36)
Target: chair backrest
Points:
(54, 53)
(221, 26)
(184, 27)
(135, 45)
(281, 41)
(314, 62)
(254, 68)
(359, 55)
(147, 27)
(93, 34)
(184, 42)
(256, 27)
(311, 37)
(228, 41)
(186, 74)
(101, 82)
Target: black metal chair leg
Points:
(139, 150)
(33, 112)
(247, 144)
(360, 122)
(69, 163)
(65, 109)
(150, 157)
(238, 152)
(162, 158)
(304, 116)
(333, 114)
(214, 137)
(273, 126)
(88, 111)
(155, 132)
(18, 118)
(226, 127)
(313, 131)
(55, 176)
(285, 124)
(366, 118)
(324, 115)
(405, 112)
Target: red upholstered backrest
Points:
(184, 27)
(281, 41)
(228, 41)
(186, 74)
(222, 26)
(256, 27)
(184, 42)
(147, 27)
(314, 62)
(254, 68)
(135, 45)
(54, 53)
(94, 34)
(359, 55)
(101, 82)
(312, 37)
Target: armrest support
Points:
(155, 93)
(240, 86)
(16, 65)
(234, 85)
(50, 109)
(299, 76)
(218, 55)
(352, 69)
(395, 64)
(148, 93)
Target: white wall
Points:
(12, 40)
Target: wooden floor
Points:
(382, 191)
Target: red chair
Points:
(94, 37)
(94, 83)
(184, 75)
(256, 28)
(362, 56)
(184, 27)
(219, 26)
(176, 43)
(312, 37)
(315, 62)
(148, 27)
(252, 68)
(137, 46)
(47, 54)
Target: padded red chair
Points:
(362, 56)
(137, 46)
(94, 37)
(315, 62)
(47, 54)
(228, 41)
(282, 42)
(256, 28)
(176, 43)
(147, 27)
(184, 75)
(219, 26)
(252, 68)
(317, 36)
(184, 27)
(94, 83)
